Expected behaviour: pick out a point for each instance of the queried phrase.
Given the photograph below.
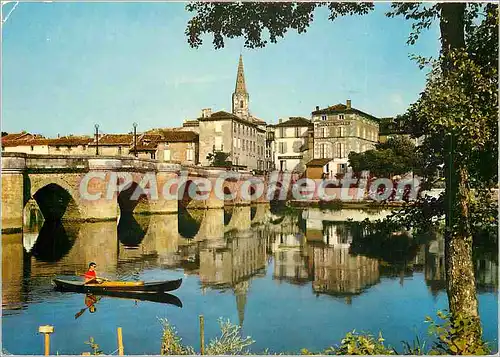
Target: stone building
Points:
(292, 144)
(112, 145)
(340, 129)
(178, 146)
(239, 134)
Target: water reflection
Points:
(227, 249)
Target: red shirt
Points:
(90, 274)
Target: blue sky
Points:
(67, 66)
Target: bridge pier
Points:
(13, 168)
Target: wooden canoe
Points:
(130, 286)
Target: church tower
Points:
(240, 96)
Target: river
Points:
(300, 279)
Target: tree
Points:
(397, 156)
(219, 159)
(468, 47)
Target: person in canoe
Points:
(91, 275)
(90, 301)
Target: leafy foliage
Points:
(395, 157)
(171, 343)
(251, 19)
(96, 350)
(230, 342)
(219, 159)
(455, 335)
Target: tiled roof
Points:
(115, 139)
(342, 109)
(71, 141)
(16, 136)
(178, 136)
(295, 122)
(222, 115)
(318, 162)
(30, 142)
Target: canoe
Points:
(130, 286)
(164, 298)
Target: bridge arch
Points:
(56, 197)
(132, 199)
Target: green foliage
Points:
(457, 335)
(251, 19)
(361, 344)
(171, 343)
(395, 157)
(230, 341)
(219, 159)
(94, 346)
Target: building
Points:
(293, 144)
(112, 145)
(239, 134)
(340, 129)
(270, 164)
(178, 146)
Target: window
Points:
(239, 143)
(341, 131)
(235, 143)
(340, 150)
(166, 155)
(241, 104)
(153, 155)
(189, 154)
(32, 148)
(119, 150)
(297, 132)
(282, 165)
(323, 117)
(57, 148)
(218, 143)
(282, 132)
(281, 148)
(234, 127)
(324, 132)
(341, 116)
(322, 151)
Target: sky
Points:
(68, 66)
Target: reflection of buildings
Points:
(232, 262)
(236, 259)
(290, 264)
(486, 269)
(336, 272)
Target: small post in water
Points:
(120, 341)
(202, 335)
(46, 330)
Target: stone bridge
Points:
(100, 188)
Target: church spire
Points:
(240, 96)
(240, 78)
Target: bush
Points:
(457, 335)
(230, 342)
(171, 343)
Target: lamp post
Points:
(135, 139)
(96, 139)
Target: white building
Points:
(292, 144)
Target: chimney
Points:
(58, 135)
(280, 121)
(317, 107)
(206, 113)
(348, 104)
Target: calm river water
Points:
(297, 280)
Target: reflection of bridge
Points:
(55, 183)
